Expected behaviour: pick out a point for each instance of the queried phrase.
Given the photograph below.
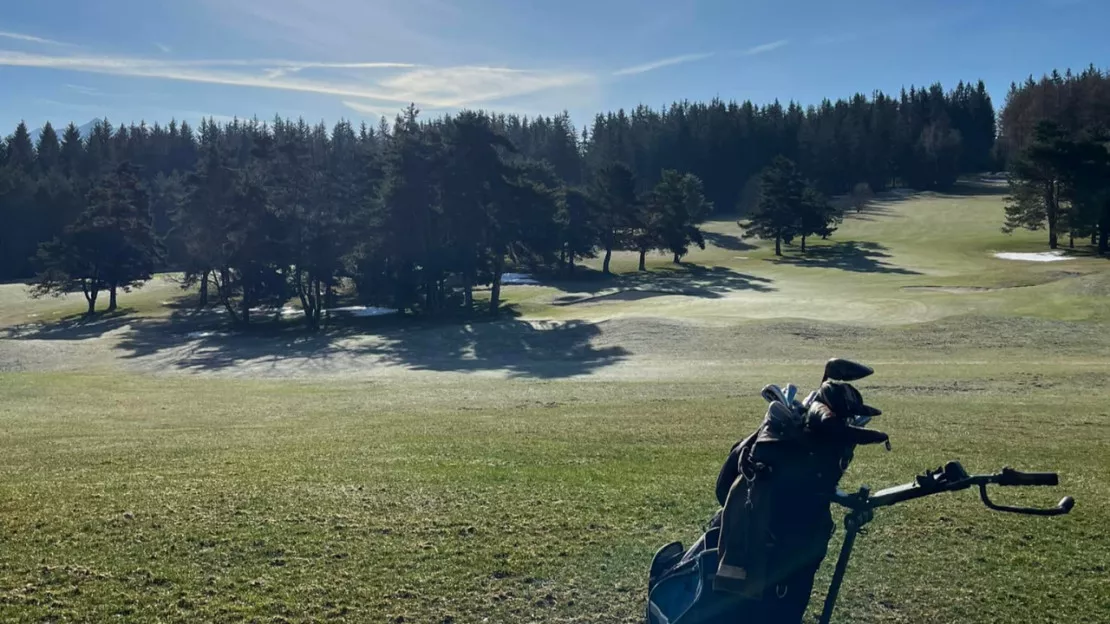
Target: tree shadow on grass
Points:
(727, 241)
(535, 350)
(517, 348)
(685, 279)
(73, 327)
(854, 256)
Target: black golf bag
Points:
(756, 562)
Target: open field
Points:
(527, 469)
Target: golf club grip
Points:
(1013, 477)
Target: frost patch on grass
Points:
(955, 290)
(1043, 256)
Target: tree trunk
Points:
(91, 291)
(1094, 237)
(430, 303)
(677, 258)
(203, 290)
(643, 253)
(1052, 213)
(495, 290)
(112, 298)
(570, 266)
(778, 246)
(563, 257)
(803, 244)
(246, 303)
(468, 291)
(605, 264)
(1104, 230)
(223, 291)
(319, 303)
(1071, 239)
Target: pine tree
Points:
(579, 231)
(21, 152)
(47, 152)
(782, 192)
(72, 152)
(111, 246)
(816, 216)
(680, 201)
(1035, 183)
(614, 193)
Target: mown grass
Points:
(187, 499)
(473, 498)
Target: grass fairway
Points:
(516, 472)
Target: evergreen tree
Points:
(47, 152)
(579, 231)
(816, 216)
(1035, 183)
(111, 245)
(72, 152)
(777, 216)
(614, 193)
(680, 202)
(21, 152)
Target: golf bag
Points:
(756, 562)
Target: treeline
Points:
(1055, 133)
(417, 213)
(924, 138)
(415, 216)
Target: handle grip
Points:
(1010, 476)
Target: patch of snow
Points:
(33, 315)
(1043, 256)
(518, 279)
(205, 334)
(166, 303)
(362, 311)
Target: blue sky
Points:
(132, 60)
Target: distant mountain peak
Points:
(85, 130)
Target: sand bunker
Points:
(1043, 256)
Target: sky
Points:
(326, 60)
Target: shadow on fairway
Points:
(727, 241)
(517, 348)
(687, 279)
(854, 256)
(74, 327)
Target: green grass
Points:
(202, 500)
(458, 496)
(17, 308)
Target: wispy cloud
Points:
(83, 90)
(163, 47)
(766, 47)
(433, 87)
(31, 39)
(661, 63)
(372, 109)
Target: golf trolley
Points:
(756, 562)
(951, 478)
